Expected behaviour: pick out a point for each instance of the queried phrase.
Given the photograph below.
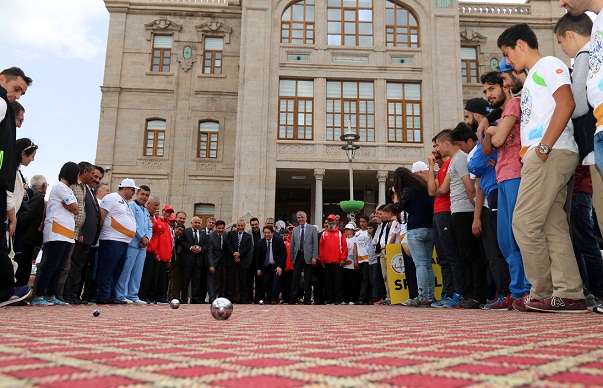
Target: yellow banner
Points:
(398, 285)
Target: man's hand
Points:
(259, 273)
(542, 157)
(11, 229)
(212, 269)
(80, 239)
(355, 264)
(476, 228)
(431, 159)
(483, 126)
(314, 261)
(278, 271)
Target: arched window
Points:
(350, 23)
(401, 26)
(297, 23)
(155, 137)
(208, 139)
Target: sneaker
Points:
(386, 302)
(351, 303)
(19, 293)
(419, 302)
(56, 301)
(505, 303)
(440, 303)
(139, 302)
(39, 301)
(520, 303)
(128, 301)
(343, 303)
(338, 303)
(162, 301)
(591, 302)
(454, 302)
(117, 301)
(556, 304)
(599, 309)
(378, 302)
(469, 304)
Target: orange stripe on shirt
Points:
(598, 112)
(122, 229)
(63, 231)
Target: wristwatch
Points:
(544, 149)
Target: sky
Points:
(61, 44)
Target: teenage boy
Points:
(505, 138)
(361, 259)
(550, 156)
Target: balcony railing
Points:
(494, 9)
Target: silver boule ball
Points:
(261, 302)
(174, 303)
(221, 309)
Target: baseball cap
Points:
(172, 218)
(168, 208)
(128, 183)
(503, 66)
(332, 217)
(419, 166)
(350, 226)
(478, 105)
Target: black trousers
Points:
(410, 270)
(213, 282)
(190, 275)
(318, 283)
(449, 258)
(286, 285)
(153, 284)
(7, 273)
(299, 266)
(473, 260)
(233, 271)
(272, 283)
(79, 256)
(333, 282)
(364, 294)
(89, 281)
(25, 260)
(499, 268)
(254, 283)
(351, 284)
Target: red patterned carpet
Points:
(291, 346)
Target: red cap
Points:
(332, 217)
(168, 208)
(172, 218)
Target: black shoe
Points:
(119, 302)
(293, 301)
(104, 301)
(469, 304)
(307, 302)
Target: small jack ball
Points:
(96, 313)
(261, 302)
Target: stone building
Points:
(236, 107)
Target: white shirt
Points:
(595, 75)
(59, 224)
(363, 241)
(119, 224)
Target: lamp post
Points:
(350, 148)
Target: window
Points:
(353, 102)
(404, 113)
(350, 22)
(208, 139)
(162, 51)
(297, 23)
(212, 55)
(296, 110)
(204, 211)
(155, 138)
(402, 28)
(469, 65)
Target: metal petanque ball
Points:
(96, 313)
(174, 303)
(221, 309)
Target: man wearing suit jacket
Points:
(196, 247)
(304, 256)
(271, 255)
(215, 262)
(238, 256)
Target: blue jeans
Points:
(420, 242)
(588, 255)
(507, 196)
(128, 284)
(599, 150)
(111, 259)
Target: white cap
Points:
(128, 183)
(350, 226)
(419, 166)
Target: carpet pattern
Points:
(293, 346)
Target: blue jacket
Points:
(487, 174)
(144, 227)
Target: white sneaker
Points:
(139, 302)
(351, 303)
(343, 303)
(128, 301)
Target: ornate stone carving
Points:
(364, 152)
(496, 9)
(185, 63)
(382, 176)
(404, 153)
(319, 173)
(151, 165)
(296, 150)
(206, 166)
(472, 36)
(214, 27)
(163, 24)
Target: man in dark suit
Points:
(238, 256)
(29, 230)
(304, 256)
(196, 247)
(215, 262)
(271, 255)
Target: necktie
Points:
(239, 245)
(301, 239)
(220, 241)
(196, 238)
(267, 261)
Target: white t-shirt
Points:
(459, 202)
(351, 242)
(595, 75)
(538, 104)
(2, 109)
(119, 224)
(59, 224)
(363, 242)
(394, 231)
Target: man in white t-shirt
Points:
(361, 259)
(550, 157)
(118, 228)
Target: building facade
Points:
(232, 108)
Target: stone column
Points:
(319, 174)
(382, 178)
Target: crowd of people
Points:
(505, 198)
